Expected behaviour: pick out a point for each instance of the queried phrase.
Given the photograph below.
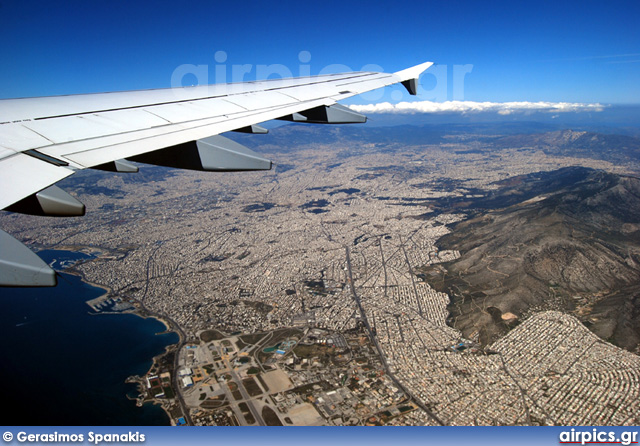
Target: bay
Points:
(62, 365)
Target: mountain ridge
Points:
(575, 249)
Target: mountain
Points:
(489, 137)
(609, 147)
(292, 137)
(574, 247)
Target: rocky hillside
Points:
(574, 248)
(614, 148)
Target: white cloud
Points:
(503, 108)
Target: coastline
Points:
(139, 311)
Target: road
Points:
(374, 339)
(413, 282)
(245, 395)
(173, 326)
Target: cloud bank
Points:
(502, 108)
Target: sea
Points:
(63, 365)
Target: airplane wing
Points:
(43, 140)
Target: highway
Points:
(374, 339)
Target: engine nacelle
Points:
(50, 202)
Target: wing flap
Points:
(194, 111)
(120, 146)
(261, 101)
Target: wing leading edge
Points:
(44, 140)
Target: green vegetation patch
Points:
(270, 417)
(251, 339)
(211, 335)
(246, 413)
(252, 387)
(214, 402)
(262, 383)
(168, 392)
(210, 404)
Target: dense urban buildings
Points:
(300, 295)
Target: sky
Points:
(536, 52)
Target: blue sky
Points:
(510, 51)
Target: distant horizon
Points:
(615, 116)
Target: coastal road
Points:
(173, 326)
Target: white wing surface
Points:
(43, 140)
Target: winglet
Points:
(409, 77)
(413, 72)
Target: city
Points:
(299, 297)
